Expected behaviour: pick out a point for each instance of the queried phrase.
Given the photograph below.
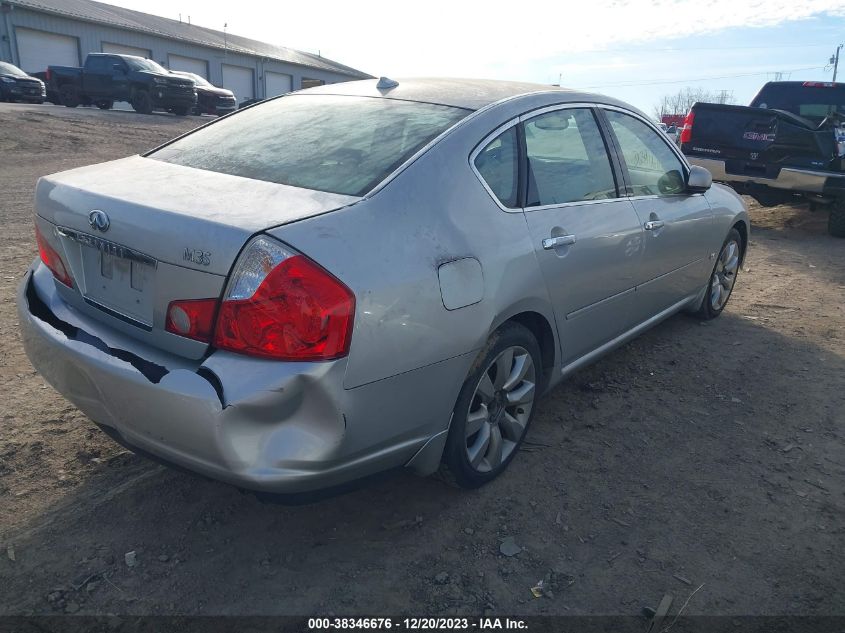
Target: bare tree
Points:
(681, 101)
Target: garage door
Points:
(188, 64)
(120, 49)
(276, 84)
(37, 50)
(239, 80)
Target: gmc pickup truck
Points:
(788, 145)
(107, 78)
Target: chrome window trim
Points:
(479, 148)
(581, 105)
(576, 203)
(674, 148)
(533, 114)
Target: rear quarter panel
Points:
(388, 249)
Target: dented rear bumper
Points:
(260, 424)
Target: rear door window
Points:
(567, 159)
(498, 166)
(338, 144)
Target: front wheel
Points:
(723, 277)
(836, 219)
(105, 105)
(142, 102)
(181, 110)
(494, 408)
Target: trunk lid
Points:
(159, 232)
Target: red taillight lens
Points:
(282, 305)
(686, 133)
(193, 318)
(52, 259)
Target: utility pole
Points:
(835, 61)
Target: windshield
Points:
(139, 63)
(331, 143)
(812, 101)
(8, 69)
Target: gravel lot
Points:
(700, 454)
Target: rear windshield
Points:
(338, 144)
(812, 102)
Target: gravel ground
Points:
(699, 454)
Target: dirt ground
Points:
(700, 454)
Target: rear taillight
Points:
(686, 132)
(52, 259)
(193, 318)
(279, 304)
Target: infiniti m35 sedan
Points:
(368, 275)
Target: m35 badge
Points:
(196, 256)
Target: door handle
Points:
(653, 225)
(561, 240)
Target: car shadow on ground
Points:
(698, 454)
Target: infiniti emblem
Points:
(98, 220)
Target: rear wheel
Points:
(181, 110)
(723, 278)
(494, 408)
(836, 219)
(142, 102)
(68, 96)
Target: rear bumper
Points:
(788, 179)
(264, 425)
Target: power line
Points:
(681, 49)
(657, 82)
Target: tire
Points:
(142, 102)
(469, 462)
(68, 96)
(181, 110)
(725, 272)
(836, 219)
(105, 105)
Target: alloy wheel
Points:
(500, 409)
(724, 275)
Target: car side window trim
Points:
(592, 107)
(624, 165)
(520, 199)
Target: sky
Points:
(634, 50)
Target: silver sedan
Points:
(367, 275)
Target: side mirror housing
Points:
(699, 180)
(118, 68)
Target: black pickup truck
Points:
(788, 145)
(107, 78)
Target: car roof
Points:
(471, 94)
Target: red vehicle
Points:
(673, 119)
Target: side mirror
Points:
(699, 180)
(118, 68)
